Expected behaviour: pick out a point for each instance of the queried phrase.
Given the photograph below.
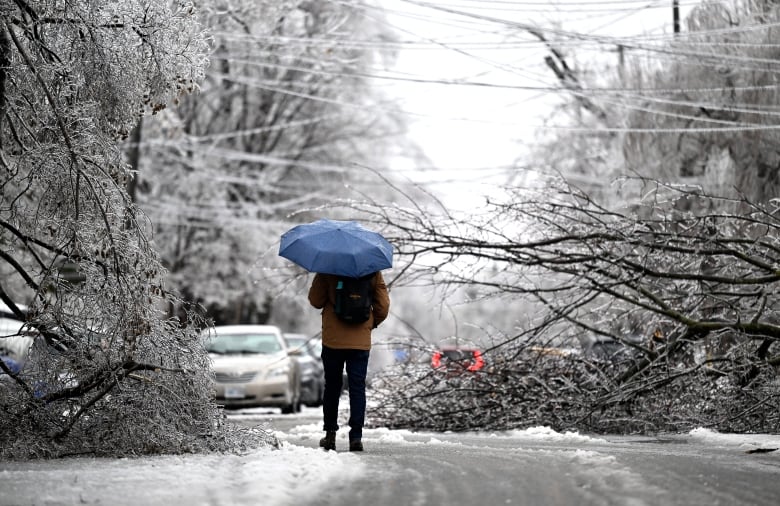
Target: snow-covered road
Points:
(532, 467)
(539, 466)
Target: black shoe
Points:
(329, 441)
(356, 446)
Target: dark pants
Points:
(333, 361)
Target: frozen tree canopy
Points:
(107, 372)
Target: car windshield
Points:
(296, 342)
(244, 343)
(304, 344)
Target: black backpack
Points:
(353, 298)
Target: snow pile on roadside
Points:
(603, 476)
(398, 436)
(287, 476)
(379, 434)
(545, 433)
(745, 441)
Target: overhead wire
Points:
(694, 56)
(699, 55)
(237, 155)
(746, 127)
(343, 74)
(549, 88)
(507, 45)
(564, 38)
(579, 36)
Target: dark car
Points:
(457, 360)
(610, 350)
(306, 351)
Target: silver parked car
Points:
(15, 342)
(306, 351)
(252, 367)
(15, 339)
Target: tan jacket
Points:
(341, 335)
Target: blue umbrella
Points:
(336, 247)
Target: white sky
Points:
(289, 476)
(482, 127)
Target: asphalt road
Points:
(409, 468)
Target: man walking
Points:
(346, 344)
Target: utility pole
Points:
(676, 16)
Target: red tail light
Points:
(478, 361)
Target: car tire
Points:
(289, 408)
(295, 401)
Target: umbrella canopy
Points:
(337, 247)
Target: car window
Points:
(457, 354)
(294, 342)
(308, 345)
(244, 343)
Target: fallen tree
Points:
(683, 284)
(105, 372)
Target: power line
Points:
(481, 84)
